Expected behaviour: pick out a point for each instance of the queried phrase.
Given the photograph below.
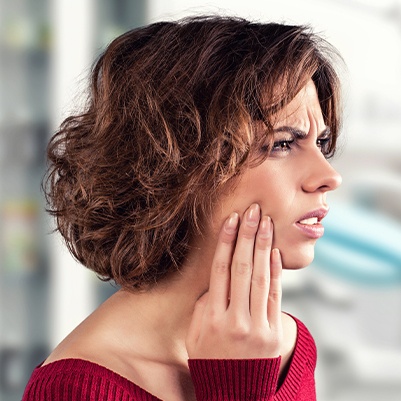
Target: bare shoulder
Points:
(91, 340)
(101, 339)
(79, 344)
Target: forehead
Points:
(302, 109)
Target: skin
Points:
(290, 182)
(226, 302)
(240, 316)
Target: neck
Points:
(153, 324)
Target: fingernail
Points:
(276, 256)
(231, 223)
(253, 215)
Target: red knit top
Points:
(214, 380)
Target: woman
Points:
(196, 172)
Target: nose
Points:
(321, 175)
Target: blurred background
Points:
(350, 298)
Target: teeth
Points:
(311, 221)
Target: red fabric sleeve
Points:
(234, 380)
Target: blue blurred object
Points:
(360, 245)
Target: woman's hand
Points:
(240, 316)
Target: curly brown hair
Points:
(170, 119)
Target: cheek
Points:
(273, 192)
(270, 185)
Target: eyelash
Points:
(323, 144)
(285, 145)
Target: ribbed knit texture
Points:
(299, 383)
(224, 380)
(214, 380)
(79, 380)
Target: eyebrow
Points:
(299, 134)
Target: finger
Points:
(196, 322)
(220, 272)
(275, 291)
(242, 264)
(260, 282)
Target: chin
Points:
(296, 259)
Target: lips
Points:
(310, 225)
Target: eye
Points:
(324, 144)
(283, 145)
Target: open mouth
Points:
(309, 222)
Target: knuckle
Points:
(261, 281)
(228, 238)
(248, 234)
(263, 242)
(213, 326)
(267, 340)
(275, 295)
(260, 339)
(222, 267)
(239, 330)
(242, 268)
(214, 317)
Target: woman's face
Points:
(292, 183)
